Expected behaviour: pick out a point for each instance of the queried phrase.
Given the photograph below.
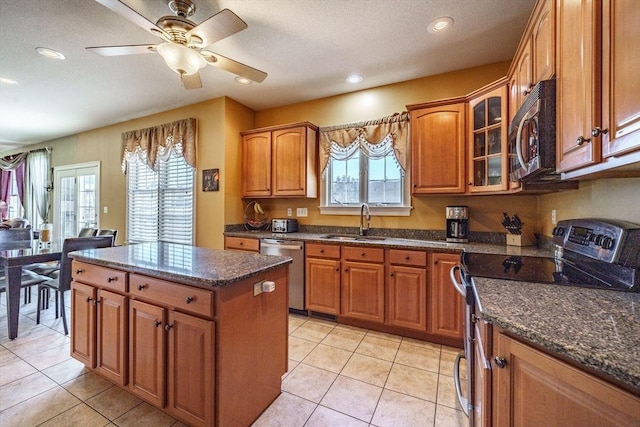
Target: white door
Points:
(77, 197)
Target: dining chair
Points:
(62, 283)
(87, 232)
(14, 238)
(108, 232)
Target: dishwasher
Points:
(295, 250)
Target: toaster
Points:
(284, 225)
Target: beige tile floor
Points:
(338, 376)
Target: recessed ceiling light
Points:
(8, 81)
(440, 24)
(243, 80)
(354, 78)
(49, 53)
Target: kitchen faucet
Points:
(362, 217)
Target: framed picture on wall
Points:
(210, 179)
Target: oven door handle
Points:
(464, 402)
(459, 287)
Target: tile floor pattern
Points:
(338, 376)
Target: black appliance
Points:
(590, 253)
(288, 225)
(532, 136)
(457, 224)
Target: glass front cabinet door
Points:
(488, 137)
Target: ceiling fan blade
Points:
(191, 81)
(236, 67)
(221, 25)
(133, 16)
(123, 50)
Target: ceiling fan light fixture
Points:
(181, 59)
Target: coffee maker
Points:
(457, 224)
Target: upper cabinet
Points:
(488, 139)
(280, 161)
(535, 57)
(597, 89)
(438, 148)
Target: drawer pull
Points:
(189, 300)
(500, 361)
(407, 258)
(363, 254)
(79, 271)
(142, 287)
(157, 323)
(111, 279)
(167, 327)
(321, 251)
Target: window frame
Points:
(395, 209)
(132, 169)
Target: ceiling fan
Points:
(184, 42)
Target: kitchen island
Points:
(199, 333)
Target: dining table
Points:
(14, 255)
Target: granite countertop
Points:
(399, 243)
(185, 264)
(598, 329)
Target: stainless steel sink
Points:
(351, 237)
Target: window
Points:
(360, 178)
(366, 163)
(160, 203)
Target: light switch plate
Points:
(257, 289)
(301, 212)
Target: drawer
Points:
(407, 257)
(242, 244)
(182, 297)
(322, 251)
(355, 253)
(102, 277)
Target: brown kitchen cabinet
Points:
(531, 387)
(280, 161)
(445, 306)
(362, 283)
(99, 320)
(535, 57)
(438, 147)
(242, 244)
(488, 168)
(322, 278)
(598, 105)
(407, 289)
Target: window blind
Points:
(160, 203)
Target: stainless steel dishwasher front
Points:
(295, 250)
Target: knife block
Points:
(524, 239)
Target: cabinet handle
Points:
(363, 254)
(79, 271)
(241, 243)
(142, 287)
(89, 299)
(407, 258)
(596, 131)
(391, 274)
(96, 301)
(500, 361)
(189, 300)
(167, 327)
(528, 90)
(157, 323)
(338, 269)
(346, 269)
(435, 262)
(581, 140)
(111, 279)
(321, 251)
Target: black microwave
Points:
(532, 136)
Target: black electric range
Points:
(591, 253)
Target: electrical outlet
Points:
(554, 219)
(289, 212)
(301, 212)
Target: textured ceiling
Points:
(307, 47)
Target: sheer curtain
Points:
(38, 179)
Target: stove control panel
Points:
(606, 240)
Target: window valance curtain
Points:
(371, 137)
(8, 165)
(157, 143)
